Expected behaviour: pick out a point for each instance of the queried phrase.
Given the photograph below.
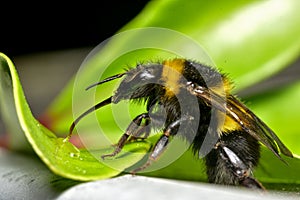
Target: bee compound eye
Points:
(146, 75)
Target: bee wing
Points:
(255, 126)
(249, 122)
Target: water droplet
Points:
(74, 155)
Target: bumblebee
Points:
(191, 100)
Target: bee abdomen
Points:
(233, 159)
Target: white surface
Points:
(143, 188)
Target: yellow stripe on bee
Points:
(227, 124)
(223, 88)
(172, 71)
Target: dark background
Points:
(48, 26)
(48, 41)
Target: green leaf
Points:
(249, 40)
(245, 39)
(62, 157)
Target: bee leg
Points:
(156, 152)
(162, 143)
(224, 166)
(232, 159)
(250, 182)
(133, 129)
(240, 170)
(143, 129)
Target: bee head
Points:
(137, 82)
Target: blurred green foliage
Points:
(249, 40)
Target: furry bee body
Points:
(188, 99)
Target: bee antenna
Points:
(106, 80)
(95, 107)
